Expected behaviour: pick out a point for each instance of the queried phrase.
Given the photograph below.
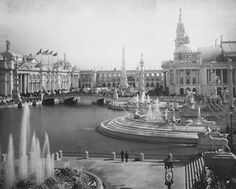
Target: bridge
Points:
(80, 98)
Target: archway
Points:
(131, 81)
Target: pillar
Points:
(25, 83)
(221, 76)
(86, 155)
(142, 156)
(230, 78)
(21, 84)
(184, 76)
(113, 155)
(60, 154)
(164, 81)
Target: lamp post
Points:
(169, 171)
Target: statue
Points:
(218, 141)
(8, 45)
(226, 95)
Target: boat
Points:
(71, 101)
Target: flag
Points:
(40, 51)
(50, 53)
(45, 52)
(55, 54)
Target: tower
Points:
(181, 38)
(123, 83)
(141, 80)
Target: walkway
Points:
(136, 175)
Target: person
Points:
(126, 156)
(122, 155)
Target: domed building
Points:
(26, 75)
(203, 70)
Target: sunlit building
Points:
(26, 74)
(204, 70)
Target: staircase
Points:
(194, 169)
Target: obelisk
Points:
(123, 83)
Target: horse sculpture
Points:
(218, 141)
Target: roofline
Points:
(228, 41)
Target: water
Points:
(73, 129)
(30, 164)
(199, 115)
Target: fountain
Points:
(35, 166)
(202, 122)
(149, 124)
(31, 164)
(149, 115)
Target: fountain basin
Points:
(128, 128)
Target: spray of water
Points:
(35, 168)
(23, 165)
(10, 167)
(199, 121)
(149, 115)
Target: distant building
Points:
(121, 78)
(112, 78)
(26, 74)
(205, 70)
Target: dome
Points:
(185, 48)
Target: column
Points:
(184, 77)
(5, 84)
(190, 77)
(177, 76)
(25, 83)
(221, 76)
(164, 81)
(21, 82)
(230, 78)
(198, 77)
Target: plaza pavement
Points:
(115, 174)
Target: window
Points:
(194, 80)
(187, 72)
(187, 81)
(181, 80)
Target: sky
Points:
(92, 32)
